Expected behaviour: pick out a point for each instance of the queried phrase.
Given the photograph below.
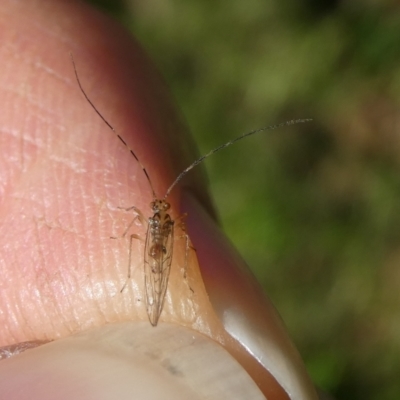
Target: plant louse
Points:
(159, 242)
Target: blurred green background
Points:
(313, 208)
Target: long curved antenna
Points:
(202, 158)
(111, 127)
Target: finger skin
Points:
(65, 176)
(64, 173)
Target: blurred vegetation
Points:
(314, 208)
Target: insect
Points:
(159, 242)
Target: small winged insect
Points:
(159, 242)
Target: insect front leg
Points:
(139, 216)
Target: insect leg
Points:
(139, 216)
(128, 277)
(182, 225)
(142, 219)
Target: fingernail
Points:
(245, 311)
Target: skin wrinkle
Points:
(52, 72)
(15, 349)
(54, 287)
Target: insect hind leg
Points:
(128, 276)
(139, 216)
(188, 245)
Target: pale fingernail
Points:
(127, 361)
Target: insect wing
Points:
(157, 266)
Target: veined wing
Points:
(157, 267)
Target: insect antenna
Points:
(223, 146)
(111, 127)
